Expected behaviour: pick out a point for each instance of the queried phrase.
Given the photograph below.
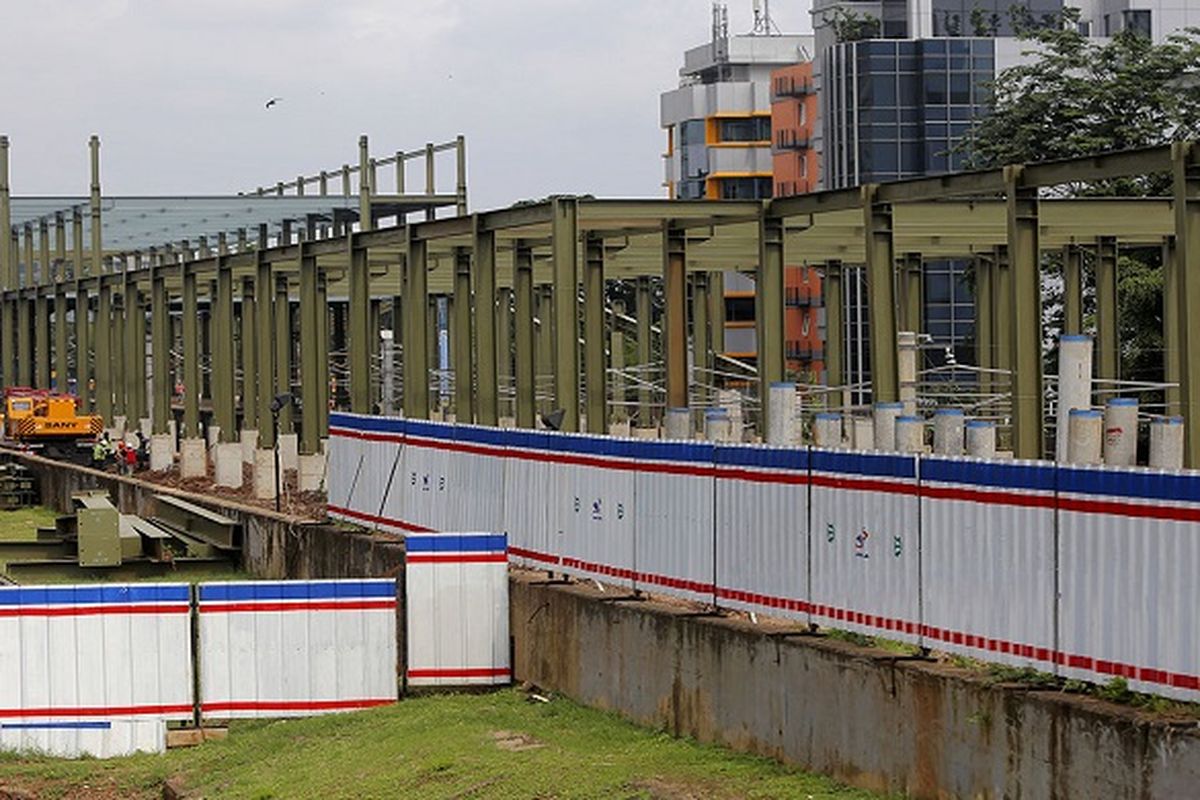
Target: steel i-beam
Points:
(702, 353)
(160, 346)
(881, 297)
(416, 329)
(1072, 289)
(223, 353)
(675, 315)
(486, 327)
(564, 238)
(594, 363)
(310, 365)
(1107, 344)
(1171, 333)
(985, 325)
(835, 338)
(264, 356)
(460, 338)
(644, 311)
(525, 375)
(249, 358)
(283, 350)
(191, 354)
(1025, 266)
(769, 303)
(360, 327)
(1185, 160)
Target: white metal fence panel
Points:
(456, 587)
(296, 648)
(762, 530)
(93, 669)
(527, 508)
(865, 543)
(987, 551)
(673, 500)
(429, 459)
(1129, 557)
(477, 472)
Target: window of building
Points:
(1137, 21)
(691, 132)
(1108, 24)
(754, 129)
(739, 309)
(689, 190)
(745, 188)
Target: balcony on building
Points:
(791, 140)
(792, 86)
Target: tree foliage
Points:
(1081, 96)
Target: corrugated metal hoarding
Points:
(456, 588)
(93, 669)
(295, 648)
(953, 554)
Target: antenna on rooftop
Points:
(720, 31)
(763, 24)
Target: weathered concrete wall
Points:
(862, 716)
(275, 545)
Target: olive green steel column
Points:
(83, 350)
(135, 348)
(1185, 158)
(94, 204)
(769, 304)
(524, 371)
(985, 319)
(283, 349)
(119, 344)
(460, 338)
(6, 265)
(160, 349)
(702, 353)
(913, 300)
(139, 402)
(323, 350)
(504, 354)
(264, 336)
(1003, 332)
(8, 325)
(62, 337)
(102, 333)
(543, 344)
(1072, 289)
(1107, 345)
(25, 354)
(486, 326)
(1171, 360)
(359, 327)
(674, 327)
(716, 310)
(881, 298)
(595, 368)
(644, 309)
(1025, 266)
(45, 304)
(191, 353)
(564, 239)
(222, 364)
(616, 350)
(835, 339)
(416, 329)
(310, 364)
(249, 350)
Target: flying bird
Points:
(273, 101)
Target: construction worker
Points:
(100, 452)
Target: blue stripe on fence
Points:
(93, 595)
(92, 725)
(456, 543)
(880, 465)
(994, 474)
(296, 590)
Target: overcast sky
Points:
(552, 95)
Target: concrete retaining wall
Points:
(275, 546)
(865, 717)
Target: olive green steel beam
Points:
(674, 327)
(323, 351)
(544, 345)
(62, 339)
(1072, 289)
(223, 360)
(486, 328)
(264, 356)
(416, 330)
(283, 350)
(881, 297)
(94, 207)
(160, 349)
(360, 328)
(504, 354)
(644, 312)
(366, 186)
(524, 371)
(191, 355)
(460, 339)
(249, 355)
(1185, 160)
(119, 343)
(1025, 266)
(135, 322)
(83, 350)
(1171, 323)
(1002, 305)
(594, 362)
(564, 236)
(985, 319)
(912, 270)
(716, 310)
(702, 352)
(835, 342)
(102, 334)
(768, 312)
(1107, 346)
(310, 364)
(7, 268)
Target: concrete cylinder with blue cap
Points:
(1166, 443)
(885, 425)
(1120, 431)
(781, 414)
(827, 430)
(910, 434)
(677, 424)
(716, 425)
(1084, 434)
(980, 435)
(948, 431)
(1074, 384)
(862, 433)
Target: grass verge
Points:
(495, 745)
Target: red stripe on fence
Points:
(295, 705)
(97, 711)
(301, 605)
(465, 672)
(91, 610)
(464, 558)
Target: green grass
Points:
(439, 746)
(23, 523)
